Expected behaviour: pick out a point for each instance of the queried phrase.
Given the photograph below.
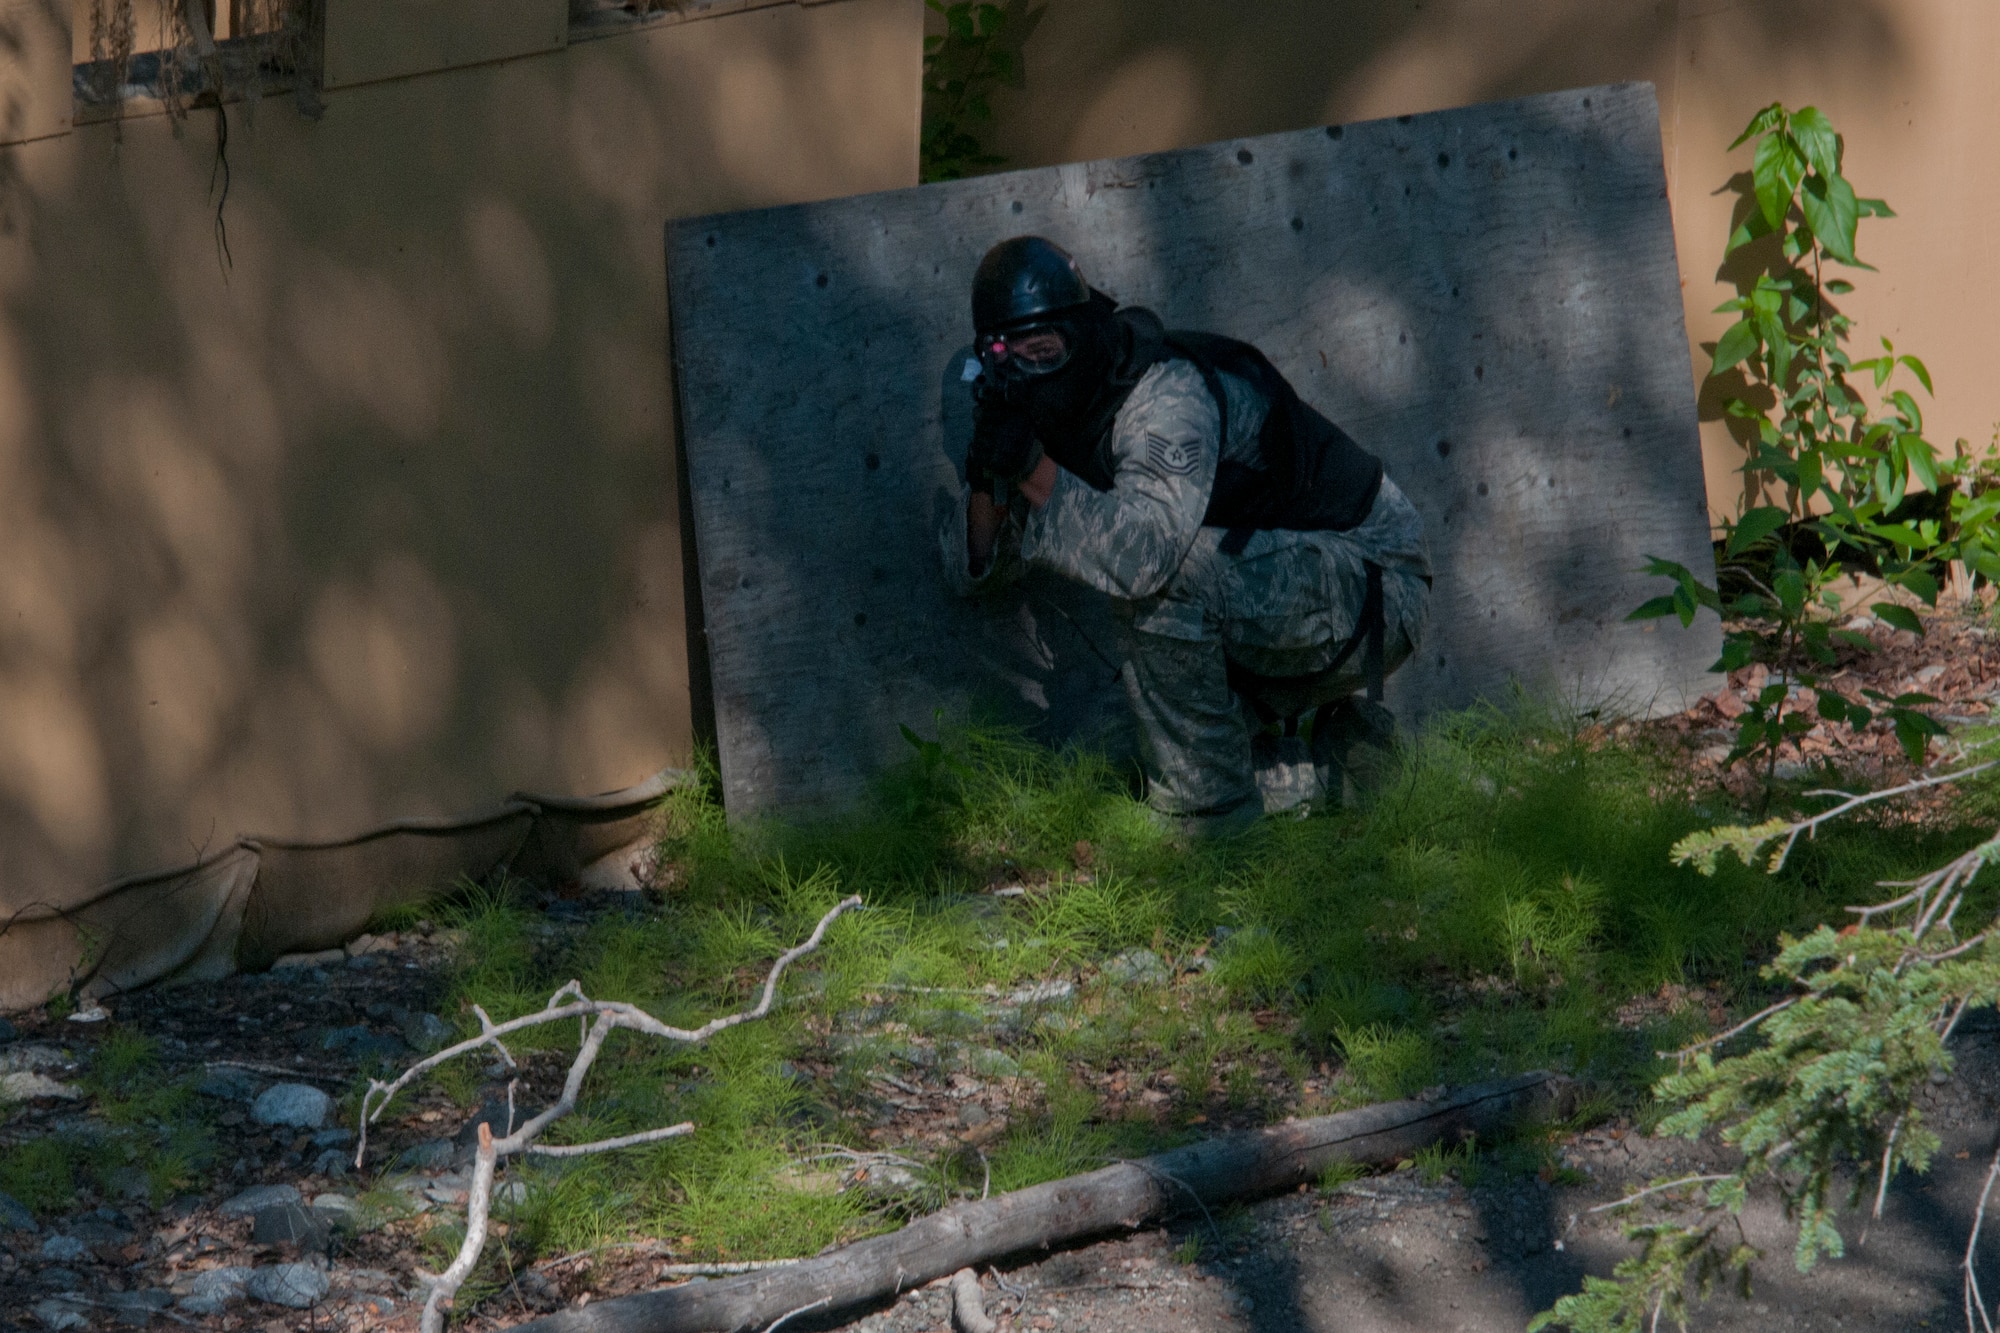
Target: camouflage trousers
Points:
(1196, 732)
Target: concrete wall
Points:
(379, 519)
(1905, 80)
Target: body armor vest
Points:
(1310, 475)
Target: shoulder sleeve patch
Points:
(1174, 458)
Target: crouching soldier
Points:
(1261, 564)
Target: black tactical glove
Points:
(1003, 450)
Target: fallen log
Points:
(1119, 1197)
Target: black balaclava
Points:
(1074, 407)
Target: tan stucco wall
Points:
(381, 520)
(1907, 81)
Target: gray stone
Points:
(429, 1155)
(364, 1043)
(331, 1162)
(333, 1138)
(1140, 966)
(63, 1249)
(989, 1063)
(426, 1032)
(7, 1032)
(60, 1315)
(209, 1292)
(295, 1286)
(34, 1056)
(29, 1087)
(229, 1085)
(257, 1198)
(296, 1105)
(61, 1279)
(136, 1307)
(288, 1224)
(340, 1212)
(14, 1215)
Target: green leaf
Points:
(1919, 582)
(1767, 119)
(1816, 139)
(1655, 609)
(1791, 590)
(1875, 208)
(1914, 731)
(1737, 345)
(1839, 286)
(1922, 373)
(1854, 639)
(1753, 527)
(1901, 617)
(1776, 171)
(1831, 212)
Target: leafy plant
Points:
(1829, 475)
(1830, 1082)
(978, 54)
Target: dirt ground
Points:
(1392, 1254)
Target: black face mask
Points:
(1073, 407)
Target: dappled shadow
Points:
(380, 519)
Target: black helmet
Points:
(1023, 279)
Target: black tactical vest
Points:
(1310, 475)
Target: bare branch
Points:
(1684, 1052)
(1661, 1188)
(446, 1284)
(1975, 1302)
(599, 1018)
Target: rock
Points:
(492, 1113)
(34, 1055)
(336, 1137)
(292, 1104)
(136, 1307)
(331, 1162)
(229, 1085)
(14, 1215)
(295, 1286)
(1043, 992)
(129, 1182)
(1139, 966)
(989, 1063)
(28, 1087)
(62, 1279)
(257, 1198)
(340, 1212)
(6, 1031)
(450, 1189)
(510, 1193)
(59, 1314)
(319, 958)
(364, 1044)
(90, 1013)
(288, 1224)
(426, 1032)
(207, 1293)
(63, 1249)
(430, 1155)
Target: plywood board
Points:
(370, 40)
(1487, 298)
(36, 98)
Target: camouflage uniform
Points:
(1284, 607)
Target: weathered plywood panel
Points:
(368, 40)
(1486, 297)
(36, 100)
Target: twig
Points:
(1975, 1301)
(1739, 1029)
(1809, 827)
(275, 1071)
(446, 1284)
(599, 1018)
(1661, 1188)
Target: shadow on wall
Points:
(1112, 77)
(378, 520)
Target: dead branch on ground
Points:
(598, 1019)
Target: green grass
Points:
(146, 1131)
(1490, 912)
